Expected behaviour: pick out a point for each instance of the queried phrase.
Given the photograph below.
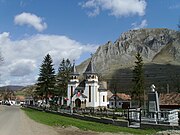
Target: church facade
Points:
(87, 93)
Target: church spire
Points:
(74, 71)
(90, 67)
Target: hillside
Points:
(11, 88)
(160, 49)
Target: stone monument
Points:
(155, 115)
(153, 104)
(153, 100)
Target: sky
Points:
(30, 29)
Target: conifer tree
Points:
(46, 80)
(138, 81)
(63, 77)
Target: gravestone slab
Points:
(153, 100)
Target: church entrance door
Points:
(78, 102)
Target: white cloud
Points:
(117, 8)
(30, 20)
(22, 67)
(136, 25)
(22, 58)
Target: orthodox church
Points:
(87, 93)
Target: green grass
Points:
(57, 120)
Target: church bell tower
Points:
(91, 85)
(72, 84)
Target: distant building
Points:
(20, 98)
(120, 100)
(169, 100)
(87, 93)
(29, 100)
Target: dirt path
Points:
(13, 121)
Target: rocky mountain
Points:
(160, 49)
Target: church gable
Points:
(79, 95)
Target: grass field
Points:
(57, 120)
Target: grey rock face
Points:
(149, 42)
(115, 61)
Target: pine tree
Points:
(138, 80)
(46, 80)
(63, 77)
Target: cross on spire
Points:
(74, 72)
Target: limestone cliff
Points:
(158, 47)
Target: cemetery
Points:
(153, 115)
(88, 100)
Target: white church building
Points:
(87, 93)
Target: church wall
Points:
(94, 102)
(74, 85)
(105, 102)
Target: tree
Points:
(8, 94)
(63, 77)
(46, 80)
(138, 81)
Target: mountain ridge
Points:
(11, 87)
(158, 47)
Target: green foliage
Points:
(138, 80)
(46, 80)
(57, 120)
(63, 77)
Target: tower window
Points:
(103, 98)
(71, 91)
(89, 93)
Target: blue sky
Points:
(29, 29)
